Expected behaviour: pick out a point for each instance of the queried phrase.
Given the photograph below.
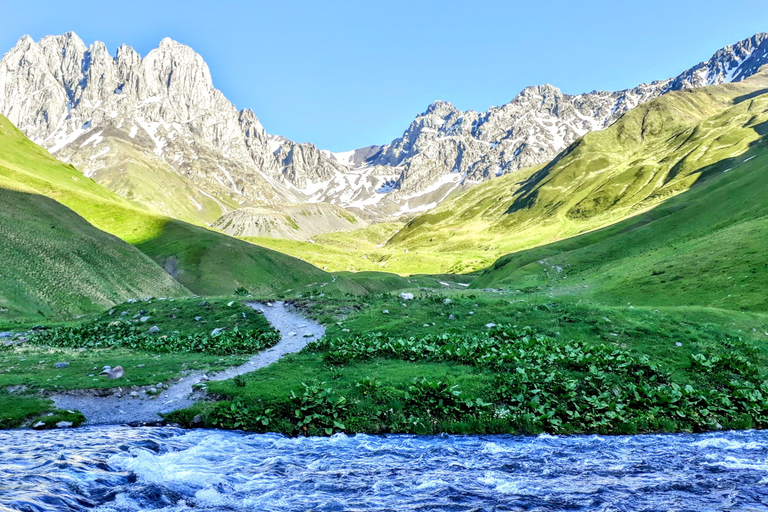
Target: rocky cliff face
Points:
(127, 119)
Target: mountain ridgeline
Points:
(157, 132)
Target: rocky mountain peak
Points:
(105, 113)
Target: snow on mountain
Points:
(102, 112)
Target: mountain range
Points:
(157, 132)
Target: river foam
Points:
(167, 469)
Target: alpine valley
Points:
(588, 264)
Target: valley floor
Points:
(457, 361)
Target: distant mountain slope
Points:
(131, 122)
(54, 263)
(705, 247)
(204, 261)
(652, 153)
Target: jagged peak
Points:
(440, 107)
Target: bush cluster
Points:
(126, 335)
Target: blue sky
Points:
(346, 74)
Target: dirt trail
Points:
(295, 330)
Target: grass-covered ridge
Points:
(55, 263)
(204, 261)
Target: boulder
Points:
(116, 372)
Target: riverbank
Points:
(496, 362)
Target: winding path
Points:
(295, 330)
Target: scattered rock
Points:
(451, 317)
(447, 301)
(386, 312)
(678, 344)
(204, 304)
(124, 313)
(134, 394)
(38, 425)
(197, 421)
(345, 330)
(144, 319)
(64, 424)
(229, 304)
(198, 318)
(132, 301)
(140, 365)
(471, 312)
(6, 334)
(490, 325)
(61, 365)
(613, 334)
(216, 331)
(426, 325)
(406, 296)
(153, 330)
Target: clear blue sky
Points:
(346, 74)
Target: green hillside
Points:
(652, 153)
(54, 263)
(705, 247)
(204, 261)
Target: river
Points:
(169, 469)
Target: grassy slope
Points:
(652, 153)
(54, 263)
(206, 262)
(704, 247)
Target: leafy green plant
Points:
(127, 335)
(237, 415)
(318, 409)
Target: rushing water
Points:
(131, 469)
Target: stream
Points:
(115, 468)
